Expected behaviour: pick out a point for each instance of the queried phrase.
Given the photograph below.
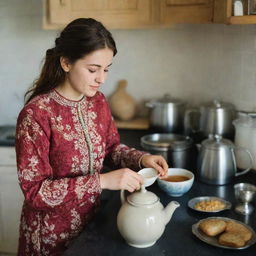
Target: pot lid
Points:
(217, 104)
(167, 99)
(217, 142)
(142, 197)
(165, 141)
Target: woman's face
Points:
(86, 75)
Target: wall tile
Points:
(196, 63)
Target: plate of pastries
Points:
(224, 232)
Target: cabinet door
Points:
(112, 13)
(11, 200)
(223, 13)
(185, 11)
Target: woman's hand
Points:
(157, 162)
(121, 179)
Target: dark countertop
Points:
(7, 135)
(101, 236)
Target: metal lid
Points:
(167, 99)
(216, 142)
(219, 105)
(166, 141)
(142, 197)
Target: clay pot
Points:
(122, 105)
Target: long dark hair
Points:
(79, 38)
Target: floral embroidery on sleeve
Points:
(53, 193)
(31, 171)
(91, 186)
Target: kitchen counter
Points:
(7, 135)
(101, 236)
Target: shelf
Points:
(239, 20)
(136, 124)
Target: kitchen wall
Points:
(196, 63)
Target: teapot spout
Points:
(169, 210)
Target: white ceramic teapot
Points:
(142, 218)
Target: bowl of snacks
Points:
(209, 204)
(178, 182)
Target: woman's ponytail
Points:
(51, 75)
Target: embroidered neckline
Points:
(64, 101)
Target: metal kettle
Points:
(217, 162)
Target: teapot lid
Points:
(216, 142)
(142, 197)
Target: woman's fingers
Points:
(130, 180)
(157, 162)
(121, 179)
(161, 167)
(130, 188)
(134, 180)
(164, 168)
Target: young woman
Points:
(64, 133)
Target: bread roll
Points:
(212, 227)
(231, 239)
(234, 227)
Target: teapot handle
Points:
(122, 196)
(251, 160)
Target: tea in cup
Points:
(178, 182)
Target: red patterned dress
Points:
(61, 145)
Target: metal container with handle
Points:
(215, 117)
(167, 114)
(216, 161)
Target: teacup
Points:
(149, 175)
(178, 182)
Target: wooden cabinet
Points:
(112, 13)
(123, 14)
(185, 11)
(11, 200)
(223, 13)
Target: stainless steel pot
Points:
(215, 117)
(217, 162)
(167, 114)
(178, 150)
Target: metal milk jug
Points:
(217, 161)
